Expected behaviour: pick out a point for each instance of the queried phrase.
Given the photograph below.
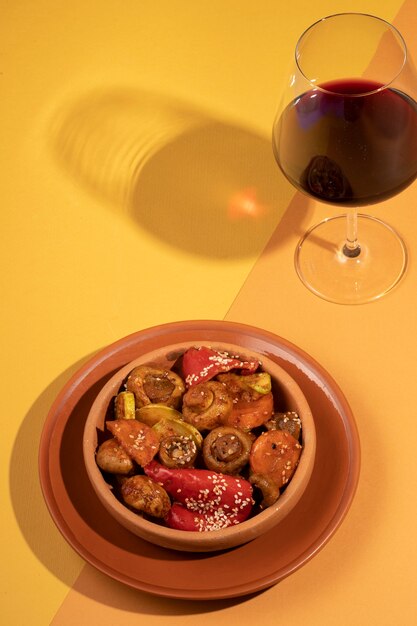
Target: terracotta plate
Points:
(101, 541)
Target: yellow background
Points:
(181, 94)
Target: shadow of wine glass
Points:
(214, 191)
(208, 187)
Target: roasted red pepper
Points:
(201, 364)
(203, 500)
(181, 518)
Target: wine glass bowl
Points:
(346, 134)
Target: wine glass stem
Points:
(351, 247)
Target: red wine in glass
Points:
(368, 142)
(346, 134)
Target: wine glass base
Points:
(330, 274)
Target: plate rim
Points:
(77, 382)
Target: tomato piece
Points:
(250, 414)
(275, 454)
(139, 440)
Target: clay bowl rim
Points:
(205, 541)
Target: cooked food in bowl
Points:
(202, 444)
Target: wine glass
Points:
(346, 134)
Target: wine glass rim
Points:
(384, 86)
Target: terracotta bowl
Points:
(290, 398)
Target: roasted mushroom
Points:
(226, 449)
(144, 494)
(289, 421)
(152, 385)
(207, 405)
(275, 453)
(178, 451)
(112, 458)
(268, 488)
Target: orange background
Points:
(123, 125)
